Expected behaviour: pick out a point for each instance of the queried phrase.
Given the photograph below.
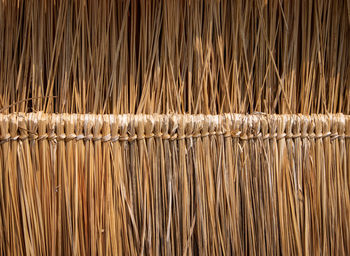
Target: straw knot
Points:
(148, 136)
(141, 137)
(293, 136)
(166, 136)
(106, 138)
(123, 138)
(244, 137)
(271, 136)
(173, 137)
(304, 136)
(80, 137)
(114, 139)
(181, 137)
(196, 135)
(70, 137)
(88, 137)
(158, 135)
(32, 136)
(227, 134)
(321, 136)
(235, 134)
(325, 135)
(212, 133)
(312, 136)
(43, 137)
(14, 138)
(97, 138)
(52, 136)
(281, 136)
(255, 136)
(61, 137)
(337, 136)
(334, 136)
(219, 133)
(23, 137)
(5, 139)
(206, 134)
(132, 138)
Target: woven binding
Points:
(129, 128)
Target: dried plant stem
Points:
(197, 57)
(174, 184)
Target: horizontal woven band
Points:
(129, 128)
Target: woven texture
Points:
(113, 128)
(174, 184)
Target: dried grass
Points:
(197, 57)
(252, 183)
(174, 184)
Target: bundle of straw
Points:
(172, 127)
(174, 185)
(197, 57)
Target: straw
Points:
(197, 57)
(136, 127)
(174, 184)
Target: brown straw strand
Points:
(210, 184)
